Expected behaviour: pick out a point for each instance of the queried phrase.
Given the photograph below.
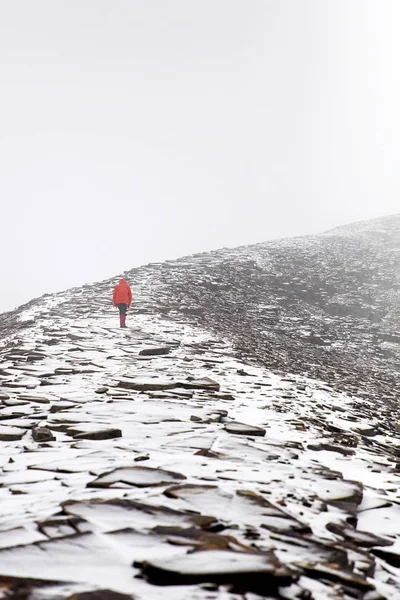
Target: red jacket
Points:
(122, 293)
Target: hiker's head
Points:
(122, 280)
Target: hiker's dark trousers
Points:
(122, 308)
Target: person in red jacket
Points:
(122, 297)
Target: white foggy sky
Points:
(140, 130)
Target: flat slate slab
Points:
(143, 385)
(155, 351)
(136, 476)
(244, 429)
(200, 384)
(260, 573)
(10, 434)
(100, 434)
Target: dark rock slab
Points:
(146, 385)
(261, 573)
(345, 495)
(155, 351)
(348, 579)
(392, 558)
(100, 434)
(197, 538)
(100, 595)
(62, 405)
(360, 538)
(212, 417)
(244, 429)
(24, 588)
(136, 476)
(223, 396)
(42, 434)
(331, 448)
(10, 434)
(367, 430)
(37, 399)
(200, 384)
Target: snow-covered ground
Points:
(187, 468)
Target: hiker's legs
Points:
(122, 314)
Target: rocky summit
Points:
(241, 439)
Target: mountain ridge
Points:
(168, 454)
(300, 304)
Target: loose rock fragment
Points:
(42, 434)
(101, 434)
(155, 351)
(331, 448)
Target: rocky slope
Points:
(326, 306)
(240, 440)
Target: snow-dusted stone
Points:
(199, 539)
(360, 538)
(19, 536)
(273, 517)
(4, 416)
(9, 434)
(245, 504)
(260, 573)
(244, 429)
(26, 476)
(344, 578)
(346, 495)
(99, 434)
(61, 406)
(143, 384)
(60, 526)
(212, 417)
(155, 351)
(188, 491)
(331, 448)
(37, 399)
(28, 384)
(200, 384)
(367, 430)
(15, 402)
(136, 476)
(120, 513)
